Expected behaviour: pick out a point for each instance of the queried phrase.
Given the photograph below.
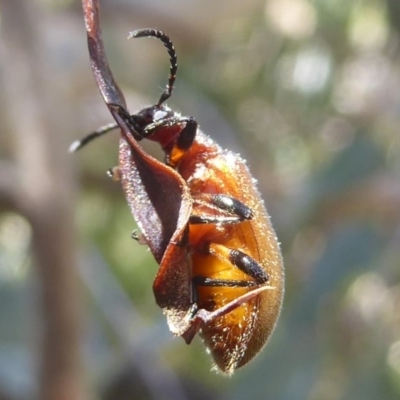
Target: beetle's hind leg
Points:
(257, 283)
(201, 317)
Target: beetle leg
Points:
(232, 205)
(183, 141)
(240, 260)
(200, 317)
(200, 280)
(138, 236)
(114, 173)
(218, 208)
(75, 146)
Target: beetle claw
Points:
(114, 173)
(138, 237)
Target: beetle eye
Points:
(159, 115)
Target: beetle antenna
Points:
(173, 59)
(78, 144)
(165, 95)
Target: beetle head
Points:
(157, 123)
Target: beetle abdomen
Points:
(235, 338)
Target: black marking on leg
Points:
(187, 135)
(233, 206)
(248, 265)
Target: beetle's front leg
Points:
(184, 140)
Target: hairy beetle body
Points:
(236, 337)
(221, 270)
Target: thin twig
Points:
(101, 70)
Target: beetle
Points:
(221, 271)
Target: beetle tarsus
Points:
(138, 237)
(114, 173)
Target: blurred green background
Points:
(307, 91)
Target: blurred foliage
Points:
(308, 92)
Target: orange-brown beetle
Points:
(221, 271)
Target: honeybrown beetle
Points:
(221, 271)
